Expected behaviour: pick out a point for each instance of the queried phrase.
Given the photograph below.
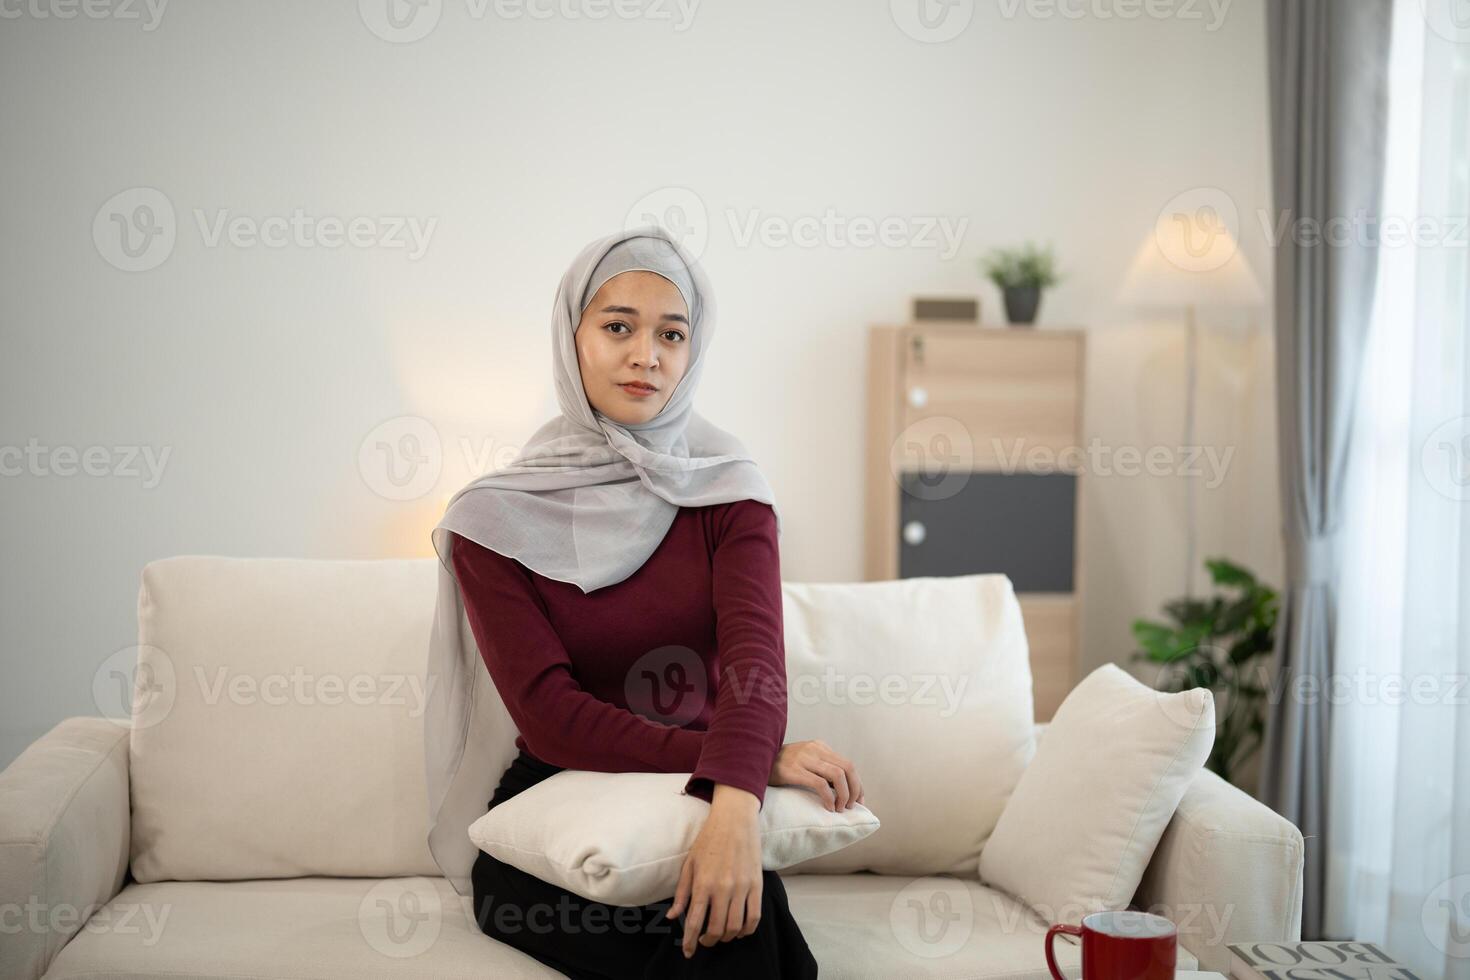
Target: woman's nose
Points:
(644, 352)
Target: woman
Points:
(621, 580)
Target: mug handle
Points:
(1051, 960)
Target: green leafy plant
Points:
(1028, 265)
(1216, 643)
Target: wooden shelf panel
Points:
(999, 394)
(990, 396)
(1051, 633)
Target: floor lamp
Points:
(1189, 261)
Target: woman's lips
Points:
(636, 391)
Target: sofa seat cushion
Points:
(874, 927)
(410, 927)
(857, 925)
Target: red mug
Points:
(1121, 946)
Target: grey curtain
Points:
(1328, 63)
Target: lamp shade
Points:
(1190, 259)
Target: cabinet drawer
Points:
(1007, 393)
(1021, 524)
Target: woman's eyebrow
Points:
(630, 311)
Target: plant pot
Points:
(1021, 303)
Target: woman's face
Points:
(636, 329)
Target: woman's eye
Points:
(677, 335)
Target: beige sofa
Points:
(263, 812)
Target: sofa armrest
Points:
(65, 834)
(1228, 870)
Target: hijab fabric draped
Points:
(587, 500)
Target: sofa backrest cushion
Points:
(278, 725)
(279, 715)
(925, 684)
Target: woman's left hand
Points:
(720, 884)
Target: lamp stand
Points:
(1191, 369)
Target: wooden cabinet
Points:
(974, 465)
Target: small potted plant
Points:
(1021, 274)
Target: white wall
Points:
(261, 371)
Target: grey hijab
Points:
(586, 501)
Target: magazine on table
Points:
(1347, 960)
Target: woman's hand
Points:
(818, 767)
(720, 884)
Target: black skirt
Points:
(585, 939)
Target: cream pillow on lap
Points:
(1110, 770)
(621, 838)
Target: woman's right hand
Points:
(817, 766)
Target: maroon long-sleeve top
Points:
(681, 667)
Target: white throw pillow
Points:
(1091, 807)
(621, 838)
